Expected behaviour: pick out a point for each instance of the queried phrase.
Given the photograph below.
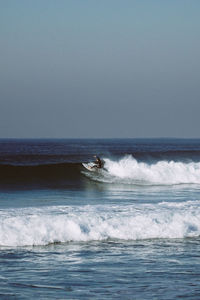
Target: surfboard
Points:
(90, 166)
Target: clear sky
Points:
(99, 68)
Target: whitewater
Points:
(29, 227)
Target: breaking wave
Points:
(43, 226)
(126, 170)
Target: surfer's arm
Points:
(95, 166)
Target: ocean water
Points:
(128, 231)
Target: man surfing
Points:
(94, 166)
(98, 163)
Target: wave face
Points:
(58, 175)
(60, 224)
(59, 170)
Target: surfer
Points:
(93, 166)
(98, 162)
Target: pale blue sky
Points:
(107, 68)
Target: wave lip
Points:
(23, 227)
(129, 171)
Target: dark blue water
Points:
(128, 231)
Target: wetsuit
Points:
(98, 163)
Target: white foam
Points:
(129, 171)
(43, 226)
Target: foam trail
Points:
(31, 226)
(129, 171)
